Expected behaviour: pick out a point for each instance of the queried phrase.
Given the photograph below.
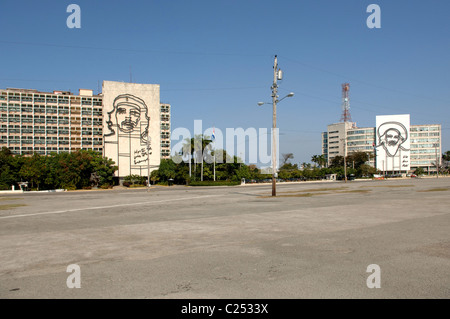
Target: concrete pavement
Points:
(313, 241)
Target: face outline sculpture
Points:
(391, 136)
(129, 112)
(127, 116)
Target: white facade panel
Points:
(131, 123)
(393, 142)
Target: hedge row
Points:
(214, 183)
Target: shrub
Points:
(135, 179)
(126, 184)
(215, 183)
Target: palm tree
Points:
(320, 160)
(305, 165)
(194, 148)
(315, 159)
(187, 149)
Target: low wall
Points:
(21, 191)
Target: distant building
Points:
(60, 121)
(417, 146)
(42, 122)
(165, 130)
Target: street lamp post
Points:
(437, 162)
(345, 154)
(148, 163)
(277, 75)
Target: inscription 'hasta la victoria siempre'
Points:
(141, 155)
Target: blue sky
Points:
(214, 59)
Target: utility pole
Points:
(148, 163)
(277, 75)
(437, 162)
(190, 158)
(274, 125)
(345, 161)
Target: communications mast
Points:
(346, 117)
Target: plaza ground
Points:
(315, 240)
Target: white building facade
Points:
(392, 146)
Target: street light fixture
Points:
(289, 95)
(277, 75)
(148, 162)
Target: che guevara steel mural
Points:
(127, 128)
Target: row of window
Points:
(424, 134)
(16, 141)
(362, 132)
(422, 163)
(51, 109)
(424, 145)
(43, 121)
(361, 137)
(423, 151)
(54, 138)
(424, 128)
(360, 143)
(423, 157)
(51, 99)
(424, 140)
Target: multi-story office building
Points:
(165, 130)
(426, 146)
(342, 139)
(42, 122)
(333, 140)
(60, 121)
(361, 139)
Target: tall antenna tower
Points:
(346, 117)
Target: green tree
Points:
(337, 161)
(9, 168)
(167, 170)
(33, 170)
(357, 159)
(104, 168)
(366, 170)
(286, 158)
(419, 171)
(195, 148)
(446, 156)
(287, 171)
(320, 160)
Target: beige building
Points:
(43, 122)
(165, 130)
(333, 140)
(60, 121)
